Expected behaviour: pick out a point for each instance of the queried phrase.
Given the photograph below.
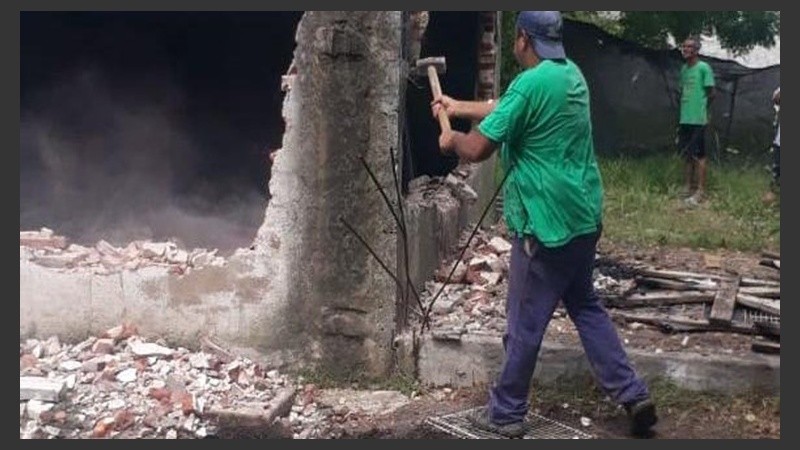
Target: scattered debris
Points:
(645, 300)
(45, 248)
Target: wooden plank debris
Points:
(761, 304)
(676, 285)
(724, 302)
(768, 328)
(762, 291)
(661, 298)
(765, 346)
(673, 324)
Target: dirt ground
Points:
(682, 415)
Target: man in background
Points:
(697, 93)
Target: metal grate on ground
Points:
(751, 316)
(539, 427)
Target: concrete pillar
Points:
(335, 304)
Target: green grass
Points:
(643, 205)
(582, 394)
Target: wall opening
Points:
(456, 36)
(151, 125)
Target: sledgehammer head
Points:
(437, 62)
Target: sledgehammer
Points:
(434, 66)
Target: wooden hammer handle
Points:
(436, 88)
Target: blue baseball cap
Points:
(544, 28)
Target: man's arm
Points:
(472, 147)
(463, 109)
(709, 84)
(711, 92)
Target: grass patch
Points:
(743, 415)
(643, 205)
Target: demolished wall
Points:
(307, 292)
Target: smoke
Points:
(100, 160)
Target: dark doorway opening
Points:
(151, 125)
(456, 36)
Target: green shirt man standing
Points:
(697, 92)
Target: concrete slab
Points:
(476, 359)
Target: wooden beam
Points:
(724, 302)
(768, 328)
(661, 298)
(673, 324)
(761, 304)
(771, 263)
(762, 291)
(675, 285)
(753, 282)
(686, 276)
(765, 346)
(676, 275)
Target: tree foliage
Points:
(737, 31)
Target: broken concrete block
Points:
(204, 258)
(38, 388)
(154, 250)
(52, 346)
(75, 248)
(491, 278)
(178, 257)
(103, 346)
(70, 366)
(70, 381)
(61, 261)
(254, 416)
(106, 249)
(35, 408)
(459, 276)
(115, 404)
(443, 306)
(92, 258)
(103, 427)
(480, 263)
(199, 361)
(35, 239)
(26, 361)
(149, 349)
(499, 245)
(127, 376)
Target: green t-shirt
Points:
(694, 99)
(543, 120)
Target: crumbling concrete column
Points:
(328, 301)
